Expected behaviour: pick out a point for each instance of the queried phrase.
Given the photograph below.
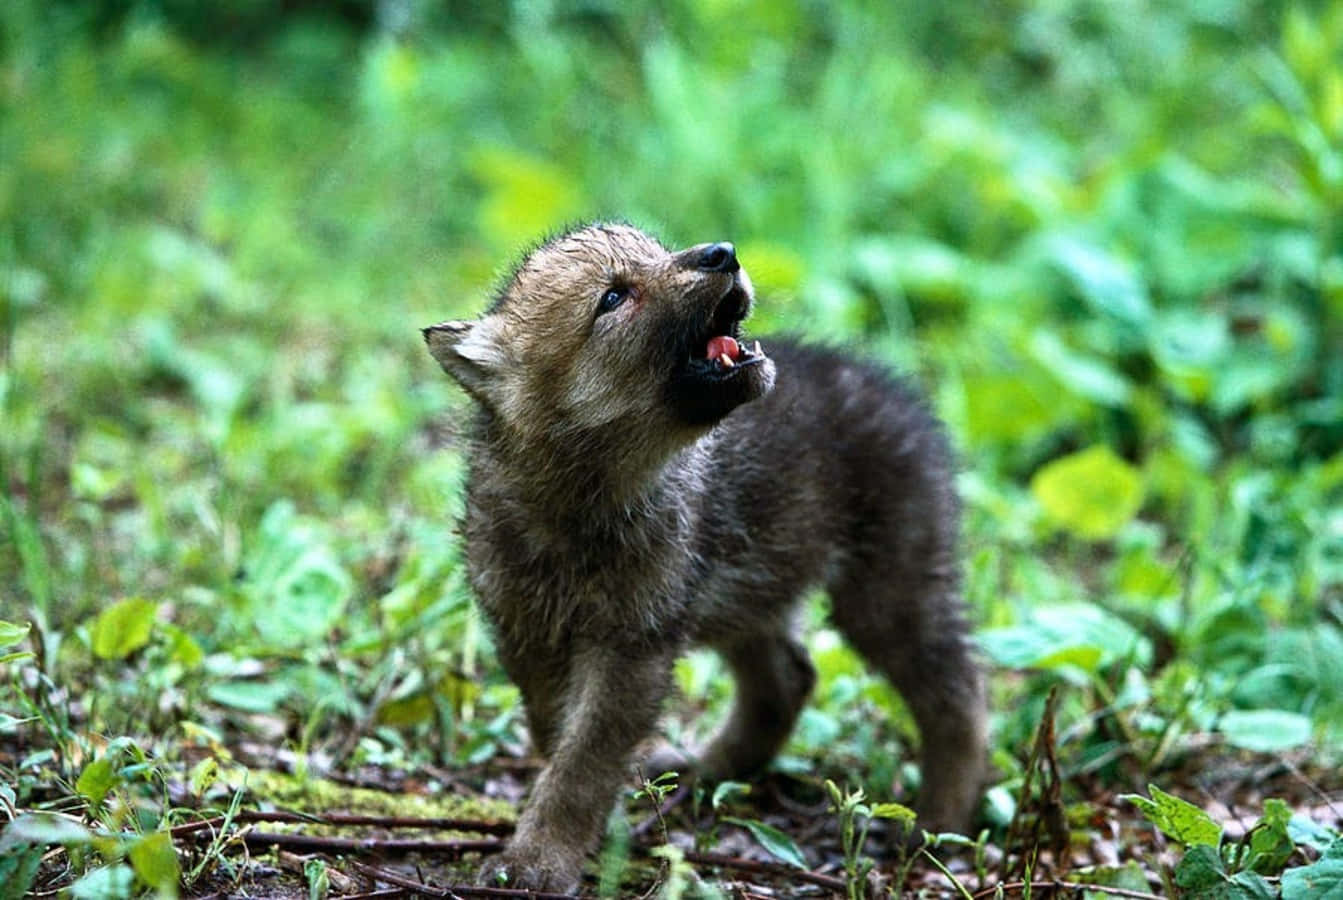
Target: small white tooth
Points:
(756, 348)
(726, 361)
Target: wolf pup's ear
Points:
(469, 352)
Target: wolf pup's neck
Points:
(591, 474)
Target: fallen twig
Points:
(319, 844)
(379, 874)
(1057, 884)
(780, 870)
(340, 819)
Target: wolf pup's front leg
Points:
(611, 703)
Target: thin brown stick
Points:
(316, 844)
(456, 890)
(780, 870)
(1057, 884)
(339, 819)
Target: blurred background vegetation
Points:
(1107, 237)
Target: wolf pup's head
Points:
(605, 328)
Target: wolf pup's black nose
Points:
(720, 257)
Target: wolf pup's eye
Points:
(611, 299)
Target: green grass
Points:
(1106, 237)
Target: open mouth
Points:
(718, 352)
(718, 372)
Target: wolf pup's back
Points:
(643, 479)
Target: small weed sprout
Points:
(849, 805)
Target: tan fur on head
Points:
(545, 361)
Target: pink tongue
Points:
(723, 344)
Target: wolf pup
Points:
(642, 479)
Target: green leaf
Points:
(1305, 830)
(183, 648)
(319, 882)
(1321, 880)
(1078, 373)
(1203, 876)
(1200, 869)
(780, 845)
(1177, 819)
(1073, 635)
(1128, 877)
(1265, 730)
(123, 628)
(155, 861)
(18, 868)
(11, 633)
(726, 790)
(1091, 493)
(1106, 282)
(43, 829)
(251, 696)
(203, 775)
(898, 811)
(98, 777)
(295, 583)
(108, 883)
(1270, 844)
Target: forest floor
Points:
(297, 828)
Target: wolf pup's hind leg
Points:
(911, 630)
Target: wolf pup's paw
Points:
(532, 871)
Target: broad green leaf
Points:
(98, 777)
(123, 628)
(1265, 730)
(1080, 374)
(1078, 636)
(1321, 880)
(1189, 348)
(18, 868)
(409, 710)
(1010, 408)
(251, 696)
(1203, 875)
(1128, 877)
(295, 583)
(1306, 831)
(42, 829)
(1178, 819)
(779, 845)
(1091, 493)
(1201, 869)
(113, 882)
(1107, 282)
(11, 634)
(155, 861)
(183, 647)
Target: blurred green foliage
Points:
(1108, 236)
